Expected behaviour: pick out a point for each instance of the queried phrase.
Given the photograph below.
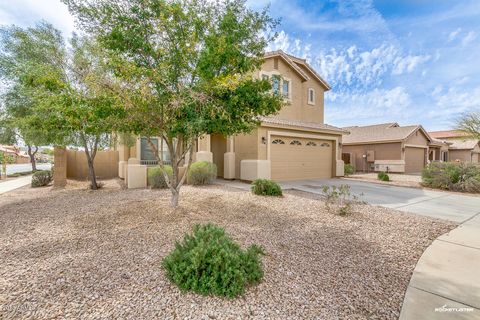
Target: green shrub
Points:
(265, 187)
(348, 169)
(463, 177)
(202, 172)
(210, 262)
(383, 176)
(41, 178)
(155, 177)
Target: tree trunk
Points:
(174, 199)
(90, 158)
(91, 173)
(31, 154)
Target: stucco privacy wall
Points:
(60, 171)
(383, 151)
(245, 148)
(105, 164)
(297, 107)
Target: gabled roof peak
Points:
(294, 62)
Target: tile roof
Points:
(447, 134)
(378, 133)
(302, 124)
(464, 144)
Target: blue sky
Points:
(409, 61)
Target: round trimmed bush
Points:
(155, 177)
(265, 187)
(348, 169)
(41, 178)
(202, 172)
(209, 262)
(383, 176)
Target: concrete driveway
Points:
(438, 204)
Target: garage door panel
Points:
(414, 159)
(290, 162)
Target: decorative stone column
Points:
(204, 152)
(229, 160)
(60, 167)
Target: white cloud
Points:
(408, 63)
(351, 69)
(456, 100)
(469, 38)
(28, 12)
(369, 107)
(454, 34)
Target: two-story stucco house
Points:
(294, 144)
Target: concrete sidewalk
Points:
(9, 185)
(446, 281)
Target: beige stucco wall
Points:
(297, 107)
(246, 148)
(105, 164)
(383, 151)
(417, 138)
(461, 155)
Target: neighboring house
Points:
(15, 153)
(294, 144)
(392, 148)
(462, 148)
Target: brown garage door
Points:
(414, 160)
(299, 158)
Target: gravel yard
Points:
(79, 254)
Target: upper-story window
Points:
(311, 96)
(286, 88)
(280, 85)
(276, 84)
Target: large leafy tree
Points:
(185, 68)
(22, 51)
(74, 102)
(58, 92)
(470, 124)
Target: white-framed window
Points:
(286, 89)
(311, 96)
(276, 84)
(280, 85)
(147, 153)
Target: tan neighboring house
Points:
(462, 148)
(392, 148)
(294, 144)
(15, 154)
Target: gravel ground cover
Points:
(77, 254)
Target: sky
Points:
(409, 61)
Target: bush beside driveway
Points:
(75, 253)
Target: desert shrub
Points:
(383, 176)
(41, 178)
(155, 177)
(202, 172)
(348, 169)
(453, 176)
(208, 262)
(265, 187)
(339, 200)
